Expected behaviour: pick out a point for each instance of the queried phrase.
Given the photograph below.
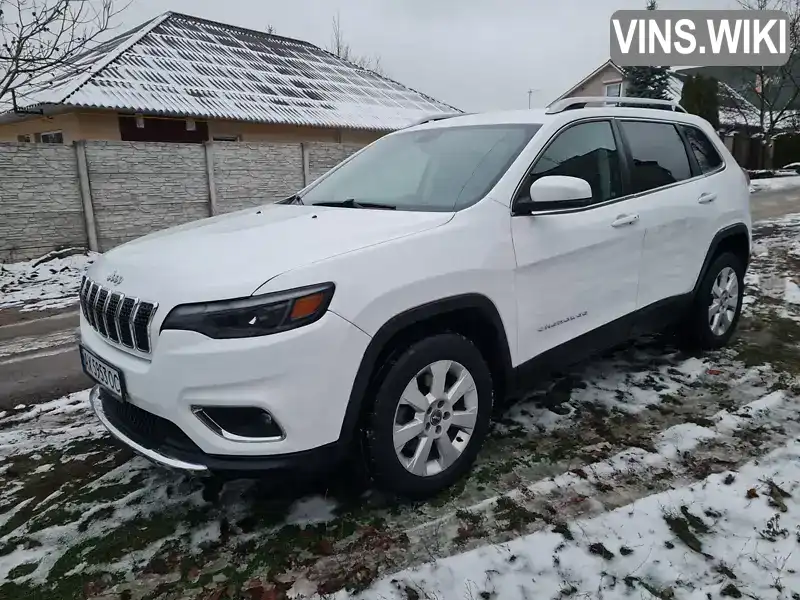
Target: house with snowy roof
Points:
(179, 78)
(609, 80)
(739, 118)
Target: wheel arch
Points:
(467, 314)
(734, 238)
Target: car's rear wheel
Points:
(717, 307)
(430, 416)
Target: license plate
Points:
(108, 376)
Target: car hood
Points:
(232, 255)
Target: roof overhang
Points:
(12, 116)
(608, 63)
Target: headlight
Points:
(253, 316)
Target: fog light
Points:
(240, 424)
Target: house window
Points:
(24, 138)
(50, 137)
(614, 89)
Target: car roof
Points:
(541, 116)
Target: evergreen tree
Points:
(700, 96)
(647, 82)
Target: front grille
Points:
(119, 319)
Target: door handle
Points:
(707, 198)
(623, 220)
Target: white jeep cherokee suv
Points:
(397, 298)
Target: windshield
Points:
(441, 169)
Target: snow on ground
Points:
(50, 282)
(775, 184)
(732, 534)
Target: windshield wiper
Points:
(353, 203)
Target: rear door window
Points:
(658, 153)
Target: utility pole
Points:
(530, 93)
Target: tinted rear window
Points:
(703, 149)
(659, 155)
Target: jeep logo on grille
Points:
(115, 278)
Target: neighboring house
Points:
(606, 80)
(609, 80)
(179, 78)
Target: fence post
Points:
(306, 168)
(86, 196)
(212, 186)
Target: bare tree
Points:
(767, 98)
(40, 37)
(271, 29)
(342, 49)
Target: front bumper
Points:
(302, 377)
(162, 443)
(122, 431)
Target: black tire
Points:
(696, 331)
(385, 466)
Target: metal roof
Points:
(182, 65)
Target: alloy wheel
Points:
(435, 418)
(724, 301)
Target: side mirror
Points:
(555, 191)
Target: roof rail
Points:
(436, 117)
(584, 101)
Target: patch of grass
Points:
(108, 493)
(451, 493)
(53, 517)
(701, 421)
(469, 517)
(564, 530)
(777, 495)
(411, 593)
(662, 593)
(600, 550)
(695, 522)
(105, 512)
(730, 591)
(724, 570)
(515, 516)
(683, 531)
(567, 590)
(471, 526)
(8, 547)
(14, 591)
(68, 478)
(22, 570)
(133, 535)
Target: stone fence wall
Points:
(101, 194)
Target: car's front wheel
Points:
(430, 416)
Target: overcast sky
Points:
(473, 54)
